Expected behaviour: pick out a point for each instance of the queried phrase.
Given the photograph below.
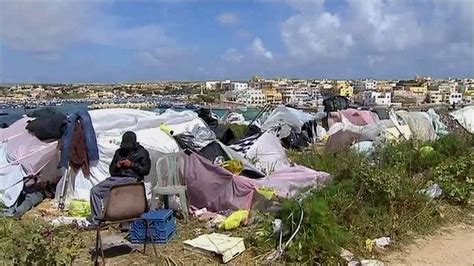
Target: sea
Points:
(249, 113)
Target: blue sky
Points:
(114, 41)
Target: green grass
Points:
(380, 196)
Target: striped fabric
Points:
(243, 145)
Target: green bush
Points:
(35, 242)
(456, 178)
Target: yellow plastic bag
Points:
(79, 208)
(234, 166)
(266, 192)
(235, 219)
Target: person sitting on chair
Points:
(131, 163)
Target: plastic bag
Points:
(79, 208)
(235, 219)
(267, 193)
(234, 166)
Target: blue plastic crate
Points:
(161, 224)
(156, 219)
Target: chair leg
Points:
(184, 205)
(100, 243)
(96, 253)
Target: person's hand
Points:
(119, 164)
(127, 163)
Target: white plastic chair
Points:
(168, 181)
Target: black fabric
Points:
(310, 129)
(212, 151)
(382, 113)
(49, 124)
(296, 141)
(224, 134)
(251, 131)
(335, 103)
(7, 119)
(206, 115)
(140, 159)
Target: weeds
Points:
(379, 196)
(28, 242)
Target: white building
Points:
(365, 85)
(454, 98)
(435, 97)
(239, 85)
(377, 98)
(251, 97)
(211, 85)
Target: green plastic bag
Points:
(235, 219)
(79, 208)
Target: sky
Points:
(154, 40)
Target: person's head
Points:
(129, 141)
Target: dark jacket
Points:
(141, 163)
(89, 137)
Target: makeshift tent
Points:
(355, 117)
(267, 153)
(217, 189)
(465, 117)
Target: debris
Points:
(371, 263)
(277, 226)
(235, 219)
(223, 245)
(79, 208)
(347, 255)
(200, 212)
(216, 221)
(382, 241)
(433, 191)
(81, 222)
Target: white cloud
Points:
(47, 28)
(316, 36)
(232, 55)
(227, 18)
(259, 50)
(413, 35)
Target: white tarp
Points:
(286, 116)
(465, 117)
(11, 179)
(117, 121)
(372, 131)
(268, 154)
(420, 123)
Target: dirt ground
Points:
(450, 246)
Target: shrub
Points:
(35, 242)
(456, 178)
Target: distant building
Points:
(454, 98)
(251, 97)
(342, 88)
(272, 96)
(435, 97)
(371, 98)
(365, 85)
(211, 85)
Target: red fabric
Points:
(78, 152)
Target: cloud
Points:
(232, 55)
(259, 50)
(47, 28)
(396, 36)
(227, 18)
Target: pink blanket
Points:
(217, 189)
(34, 155)
(356, 117)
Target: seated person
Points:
(131, 163)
